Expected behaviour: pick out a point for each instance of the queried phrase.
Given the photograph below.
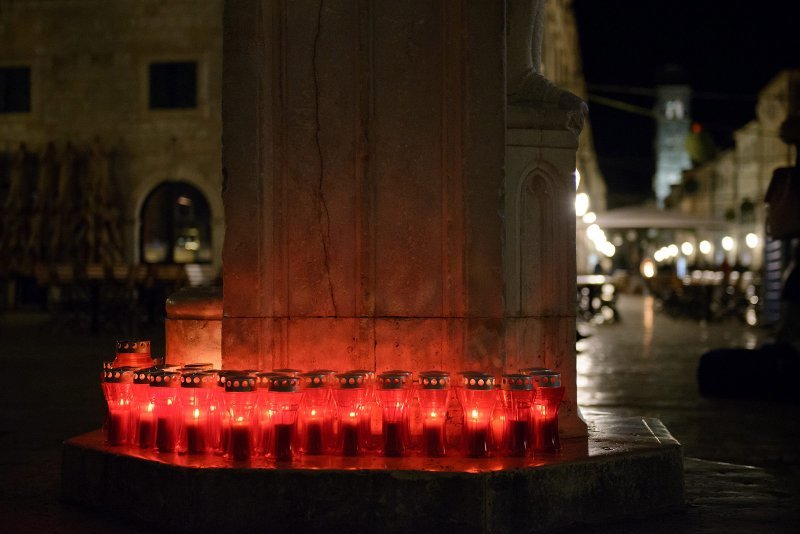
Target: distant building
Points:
(145, 78)
(561, 63)
(733, 185)
(673, 122)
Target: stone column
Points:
(368, 214)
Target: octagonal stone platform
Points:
(628, 467)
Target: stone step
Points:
(628, 467)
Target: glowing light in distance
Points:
(660, 255)
(751, 240)
(581, 204)
(590, 217)
(608, 249)
(687, 248)
(577, 178)
(648, 268)
(728, 243)
(672, 250)
(594, 233)
(704, 246)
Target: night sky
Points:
(729, 49)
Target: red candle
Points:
(549, 393)
(546, 435)
(195, 438)
(265, 436)
(313, 444)
(165, 434)
(393, 438)
(519, 437)
(477, 442)
(477, 437)
(433, 438)
(350, 438)
(117, 428)
(283, 441)
(225, 437)
(146, 430)
(240, 441)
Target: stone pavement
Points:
(742, 460)
(742, 463)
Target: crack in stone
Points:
(324, 214)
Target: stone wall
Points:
(89, 61)
(383, 210)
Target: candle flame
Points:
(196, 413)
(212, 408)
(313, 413)
(475, 415)
(240, 419)
(352, 414)
(169, 402)
(433, 415)
(150, 407)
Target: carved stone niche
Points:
(379, 214)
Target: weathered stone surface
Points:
(194, 326)
(628, 467)
(376, 216)
(89, 77)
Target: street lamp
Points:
(751, 240)
(581, 204)
(728, 243)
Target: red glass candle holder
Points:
(317, 413)
(218, 425)
(371, 415)
(479, 399)
(285, 398)
(350, 394)
(135, 353)
(264, 411)
(412, 428)
(166, 409)
(455, 432)
(547, 399)
(517, 402)
(118, 392)
(240, 406)
(142, 427)
(393, 398)
(195, 401)
(434, 394)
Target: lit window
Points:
(674, 110)
(176, 225)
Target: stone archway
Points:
(192, 178)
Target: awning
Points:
(649, 216)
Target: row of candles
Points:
(286, 412)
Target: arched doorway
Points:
(175, 225)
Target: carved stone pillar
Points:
(369, 219)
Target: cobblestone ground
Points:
(742, 462)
